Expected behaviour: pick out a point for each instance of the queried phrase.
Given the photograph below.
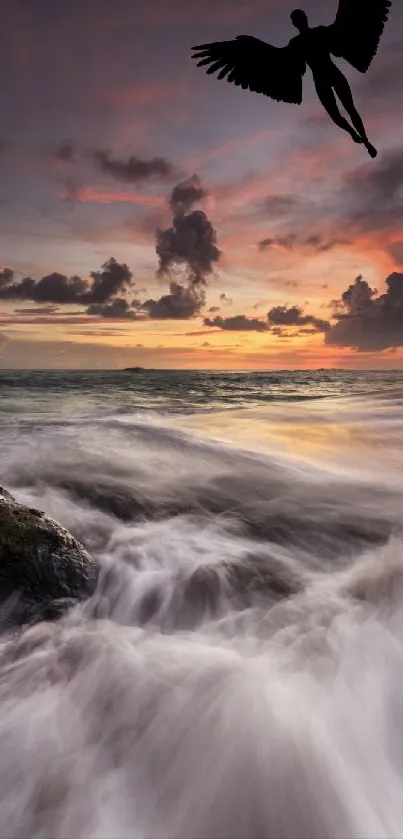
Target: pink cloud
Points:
(64, 319)
(91, 194)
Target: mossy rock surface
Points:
(42, 567)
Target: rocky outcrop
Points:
(43, 569)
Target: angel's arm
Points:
(252, 64)
(357, 30)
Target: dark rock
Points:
(43, 569)
(258, 576)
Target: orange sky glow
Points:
(92, 155)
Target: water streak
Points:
(238, 672)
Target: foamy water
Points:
(239, 670)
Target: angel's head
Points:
(299, 19)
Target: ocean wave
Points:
(238, 670)
(277, 721)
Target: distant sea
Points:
(239, 670)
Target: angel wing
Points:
(252, 64)
(357, 30)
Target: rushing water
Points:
(239, 670)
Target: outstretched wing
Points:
(357, 30)
(252, 64)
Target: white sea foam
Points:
(239, 670)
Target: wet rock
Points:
(43, 569)
(207, 592)
(259, 576)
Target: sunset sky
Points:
(110, 133)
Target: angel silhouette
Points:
(277, 71)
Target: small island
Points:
(133, 369)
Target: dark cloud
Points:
(102, 331)
(133, 169)
(313, 241)
(182, 303)
(367, 321)
(318, 242)
(281, 332)
(101, 289)
(322, 243)
(119, 308)
(53, 288)
(6, 277)
(38, 310)
(185, 195)
(293, 316)
(189, 246)
(284, 315)
(112, 279)
(237, 323)
(191, 242)
(287, 242)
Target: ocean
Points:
(238, 673)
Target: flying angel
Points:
(277, 71)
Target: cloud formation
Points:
(38, 310)
(191, 242)
(367, 321)
(190, 247)
(317, 242)
(287, 242)
(237, 323)
(103, 286)
(113, 278)
(293, 316)
(185, 194)
(182, 303)
(52, 288)
(117, 309)
(134, 169)
(225, 299)
(277, 318)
